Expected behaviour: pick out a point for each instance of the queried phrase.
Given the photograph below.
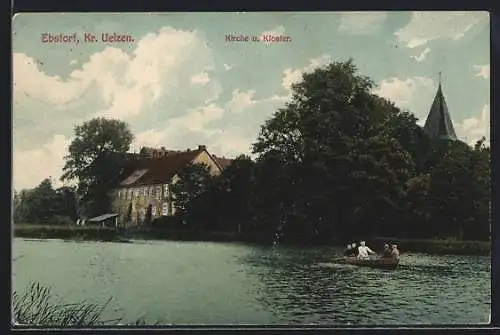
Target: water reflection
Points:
(306, 286)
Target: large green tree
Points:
(189, 192)
(39, 203)
(230, 195)
(339, 161)
(459, 192)
(95, 157)
(332, 158)
(45, 205)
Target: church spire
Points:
(438, 124)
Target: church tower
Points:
(438, 124)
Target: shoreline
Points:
(120, 235)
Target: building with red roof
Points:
(146, 179)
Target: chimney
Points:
(202, 147)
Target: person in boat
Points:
(354, 250)
(347, 250)
(387, 253)
(350, 250)
(364, 251)
(395, 252)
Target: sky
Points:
(179, 83)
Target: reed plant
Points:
(35, 307)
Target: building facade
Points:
(146, 181)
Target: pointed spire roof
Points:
(438, 124)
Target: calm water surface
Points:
(230, 283)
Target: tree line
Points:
(46, 205)
(337, 161)
(341, 162)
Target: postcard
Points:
(251, 168)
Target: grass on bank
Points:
(96, 233)
(440, 246)
(35, 307)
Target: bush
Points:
(167, 222)
(60, 220)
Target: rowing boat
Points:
(379, 262)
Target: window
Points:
(158, 192)
(165, 191)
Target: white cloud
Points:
(292, 76)
(240, 101)
(30, 167)
(482, 71)
(428, 26)
(148, 138)
(422, 55)
(472, 129)
(127, 83)
(152, 81)
(404, 92)
(361, 22)
(194, 121)
(232, 144)
(227, 67)
(29, 81)
(230, 141)
(200, 78)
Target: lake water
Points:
(230, 283)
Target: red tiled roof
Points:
(156, 170)
(223, 162)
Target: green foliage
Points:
(43, 204)
(332, 157)
(188, 192)
(95, 157)
(60, 220)
(336, 162)
(459, 192)
(340, 162)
